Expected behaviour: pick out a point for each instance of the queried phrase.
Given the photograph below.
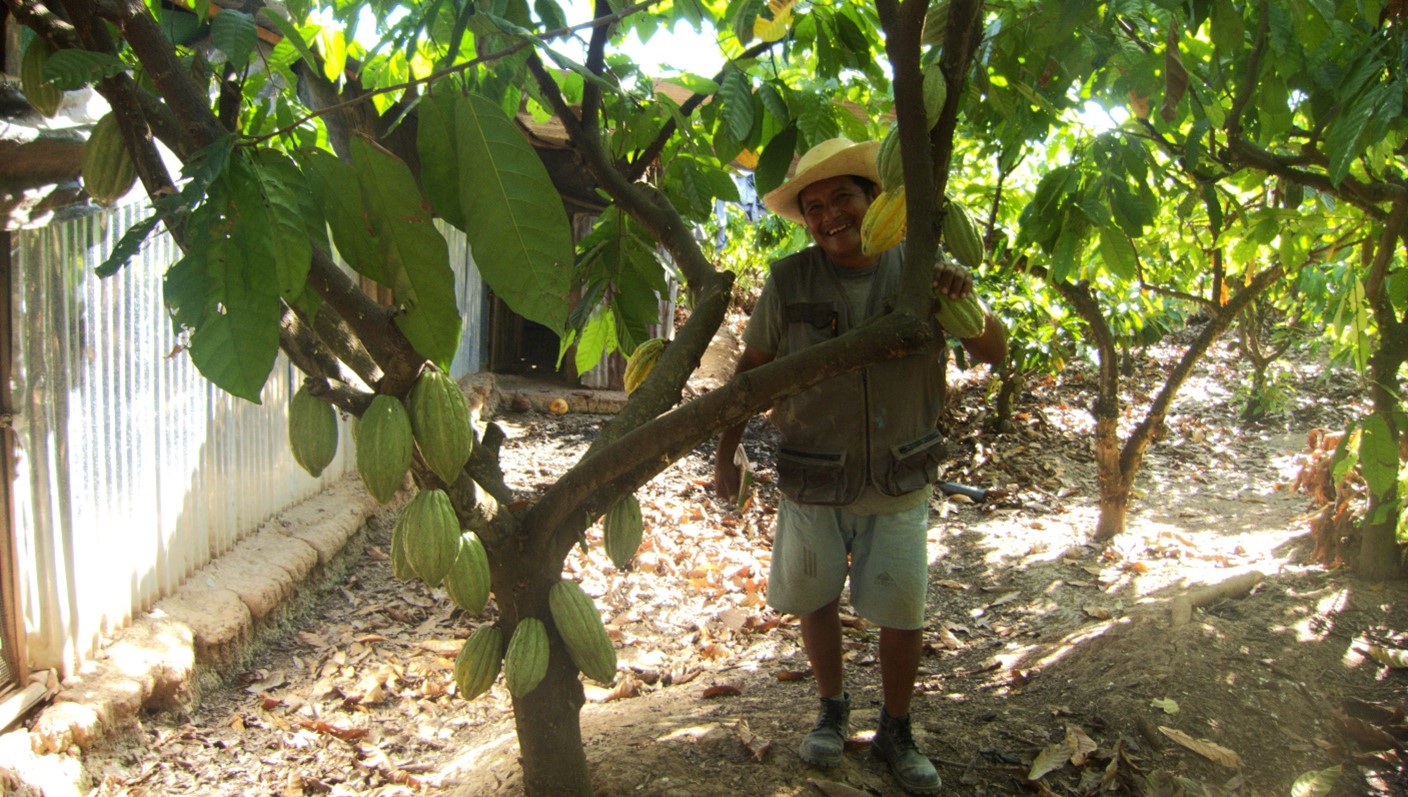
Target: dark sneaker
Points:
(825, 745)
(894, 744)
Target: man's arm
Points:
(991, 346)
(725, 472)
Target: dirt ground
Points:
(1052, 666)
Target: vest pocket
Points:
(914, 464)
(812, 478)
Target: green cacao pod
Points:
(43, 95)
(440, 421)
(935, 92)
(479, 661)
(935, 24)
(107, 169)
(642, 362)
(889, 163)
(962, 318)
(400, 565)
(430, 535)
(579, 623)
(884, 222)
(961, 236)
(468, 579)
(526, 661)
(622, 530)
(312, 431)
(384, 445)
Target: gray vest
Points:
(874, 425)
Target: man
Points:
(858, 453)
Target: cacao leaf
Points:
(515, 222)
(271, 221)
(1212, 751)
(1378, 455)
(235, 348)
(71, 68)
(435, 143)
(1316, 783)
(416, 257)
(738, 109)
(233, 32)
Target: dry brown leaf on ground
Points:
(1212, 751)
(757, 746)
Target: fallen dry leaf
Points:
(722, 690)
(757, 746)
(1212, 751)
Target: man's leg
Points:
(821, 638)
(900, 650)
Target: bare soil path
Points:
(1052, 666)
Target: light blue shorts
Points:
(886, 557)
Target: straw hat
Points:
(831, 158)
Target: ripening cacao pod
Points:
(440, 421)
(884, 222)
(43, 95)
(431, 535)
(641, 362)
(107, 169)
(312, 431)
(962, 318)
(622, 530)
(888, 162)
(384, 445)
(935, 92)
(579, 623)
(961, 236)
(935, 24)
(468, 579)
(479, 661)
(526, 661)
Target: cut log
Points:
(1181, 610)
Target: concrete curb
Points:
(207, 625)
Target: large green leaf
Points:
(435, 143)
(338, 192)
(233, 32)
(514, 219)
(739, 111)
(269, 223)
(414, 253)
(1378, 455)
(1117, 253)
(237, 339)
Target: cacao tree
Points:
(300, 132)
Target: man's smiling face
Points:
(833, 209)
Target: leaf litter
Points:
(1049, 666)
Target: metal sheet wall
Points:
(133, 471)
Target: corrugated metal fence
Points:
(133, 470)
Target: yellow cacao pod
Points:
(622, 530)
(312, 431)
(440, 421)
(961, 235)
(479, 661)
(935, 92)
(384, 445)
(962, 318)
(579, 623)
(43, 95)
(888, 162)
(642, 362)
(430, 536)
(526, 661)
(884, 222)
(107, 169)
(468, 579)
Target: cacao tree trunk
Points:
(1380, 554)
